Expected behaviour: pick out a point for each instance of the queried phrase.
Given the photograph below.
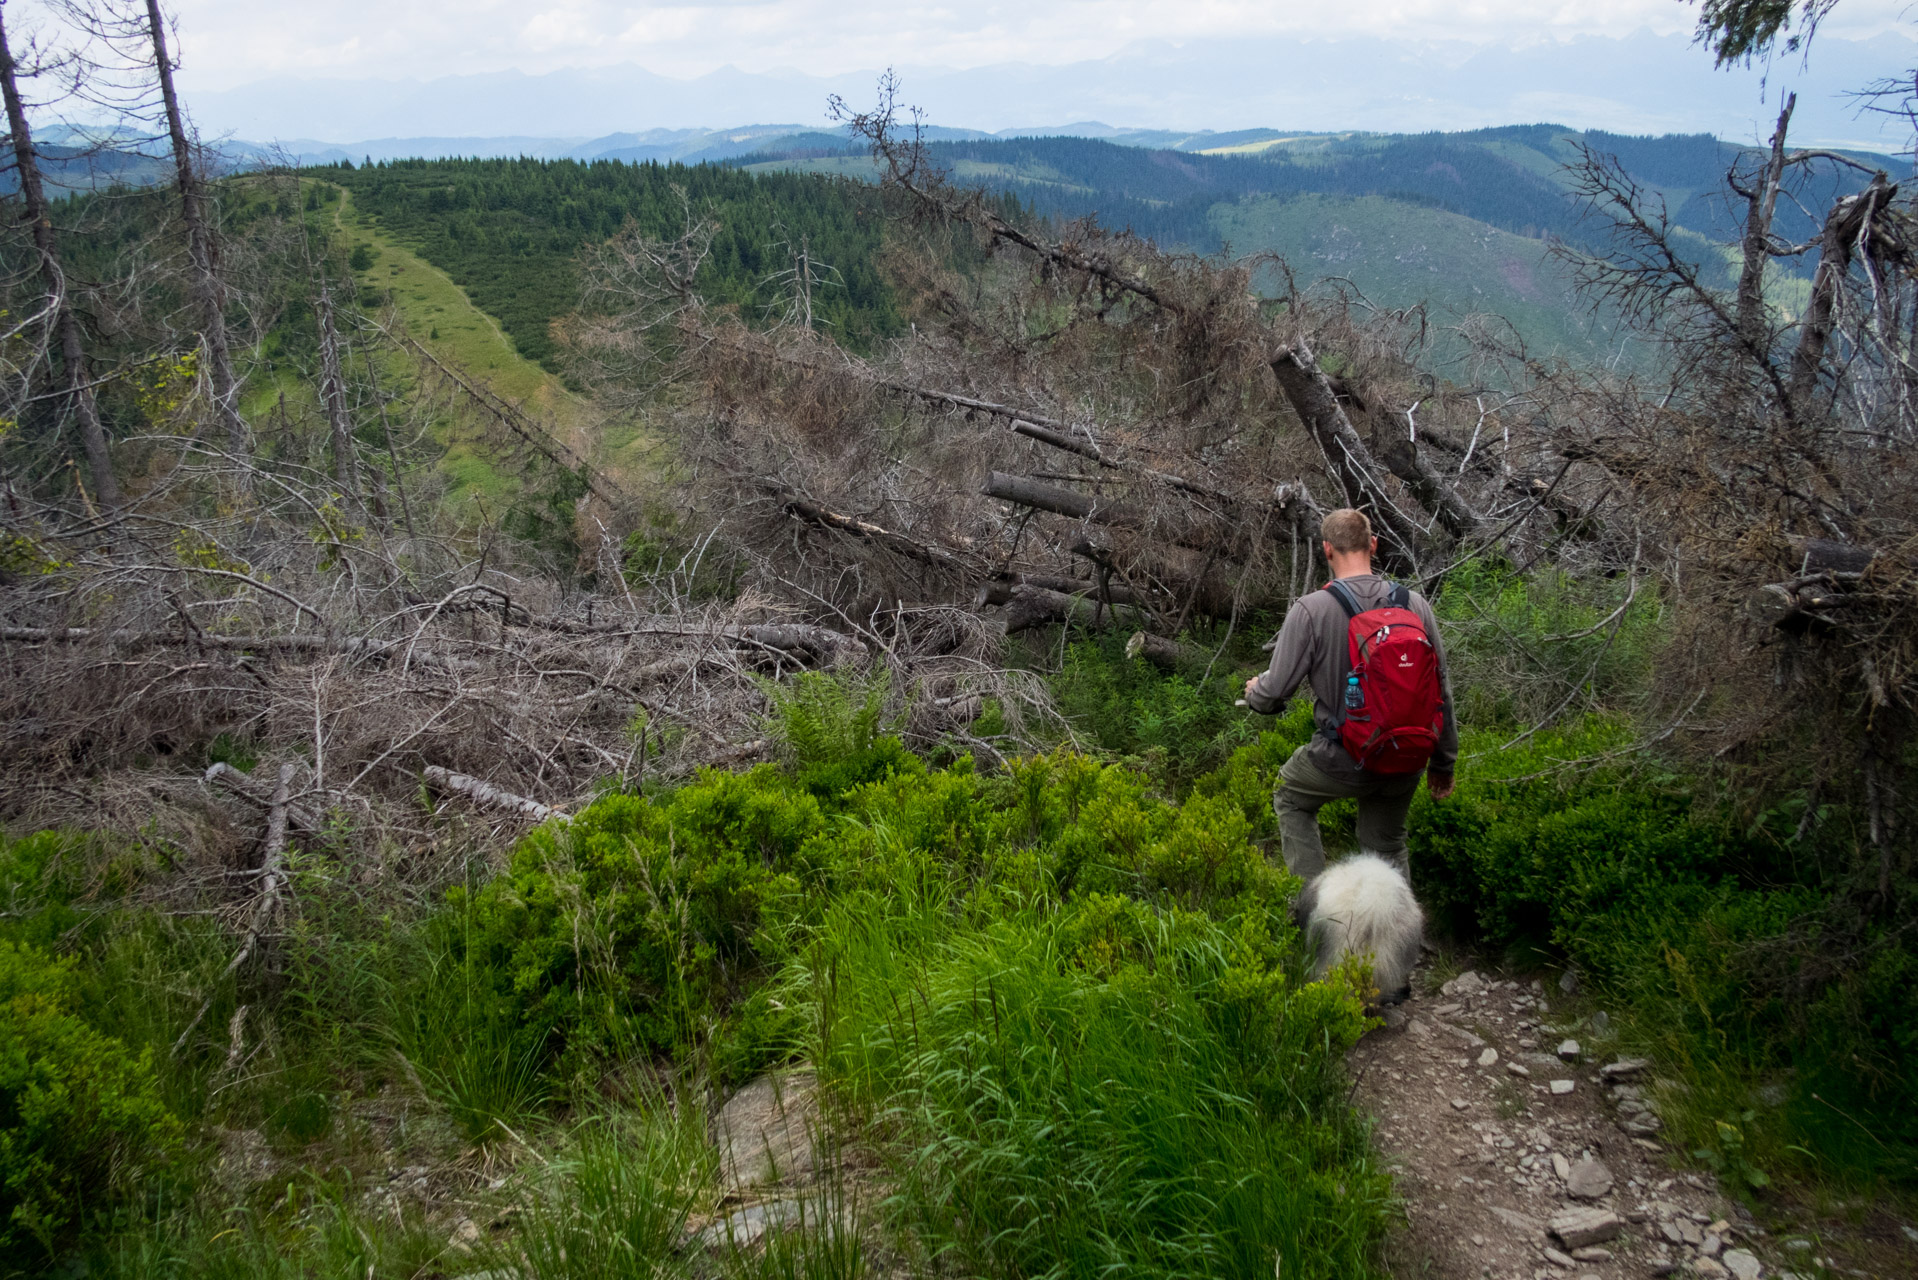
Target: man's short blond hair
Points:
(1347, 530)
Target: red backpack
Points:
(1391, 706)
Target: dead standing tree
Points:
(1776, 468)
(36, 214)
(202, 240)
(130, 65)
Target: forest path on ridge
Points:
(1490, 1154)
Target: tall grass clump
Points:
(614, 1201)
(314, 1226)
(1104, 1089)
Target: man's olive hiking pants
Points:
(1384, 802)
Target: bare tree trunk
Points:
(273, 879)
(1759, 208)
(202, 249)
(392, 454)
(486, 793)
(1433, 491)
(346, 466)
(1027, 492)
(73, 356)
(1844, 228)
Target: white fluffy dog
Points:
(1363, 907)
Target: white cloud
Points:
(228, 42)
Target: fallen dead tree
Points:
(1161, 439)
(485, 793)
(272, 878)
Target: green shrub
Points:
(80, 1116)
(1181, 725)
(1708, 930)
(625, 929)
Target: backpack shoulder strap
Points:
(1400, 596)
(1343, 594)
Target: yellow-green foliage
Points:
(22, 556)
(80, 1114)
(160, 390)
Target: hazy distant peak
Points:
(1183, 96)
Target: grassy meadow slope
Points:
(435, 312)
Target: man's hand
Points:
(1439, 784)
(1250, 685)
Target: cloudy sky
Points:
(232, 42)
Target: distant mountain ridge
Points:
(1642, 83)
(694, 146)
(1464, 223)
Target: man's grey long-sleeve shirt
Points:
(1312, 648)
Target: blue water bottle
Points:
(1354, 696)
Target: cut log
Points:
(1000, 590)
(1823, 556)
(1799, 602)
(744, 751)
(1064, 502)
(1182, 526)
(822, 644)
(1168, 655)
(1031, 607)
(487, 794)
(1059, 439)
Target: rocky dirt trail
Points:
(1523, 1156)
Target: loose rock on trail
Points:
(1521, 1159)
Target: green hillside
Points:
(1398, 254)
(1459, 221)
(508, 232)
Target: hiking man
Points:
(1380, 694)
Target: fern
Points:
(820, 718)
